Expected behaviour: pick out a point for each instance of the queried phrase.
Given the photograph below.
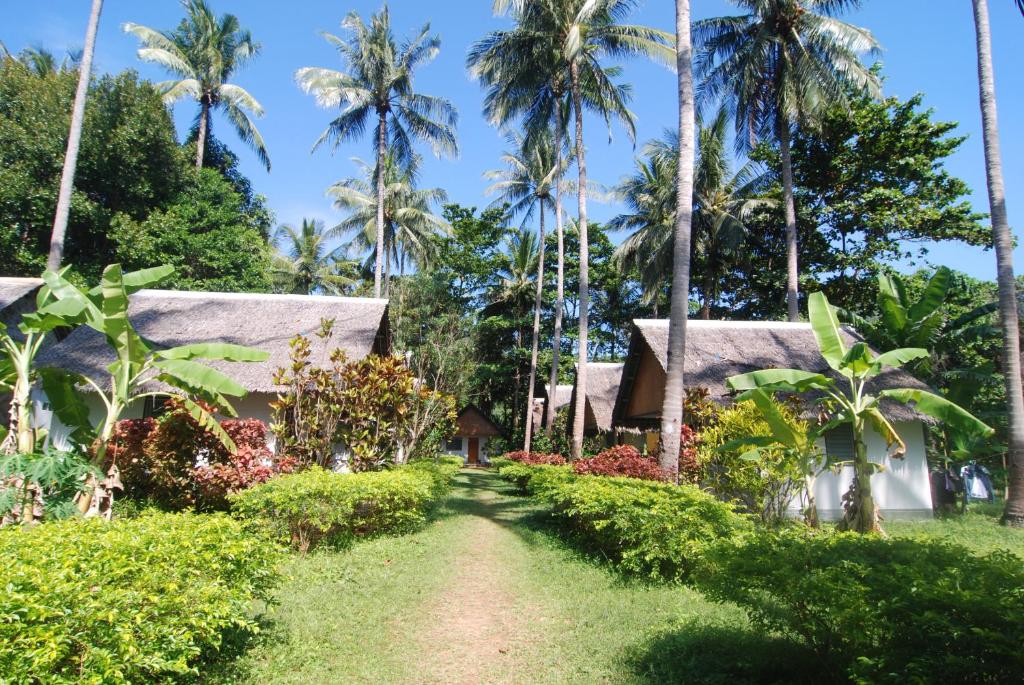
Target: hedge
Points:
(317, 506)
(534, 480)
(143, 600)
(878, 610)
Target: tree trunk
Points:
(67, 177)
(382, 139)
(672, 408)
(386, 284)
(556, 345)
(709, 286)
(861, 516)
(584, 303)
(536, 336)
(792, 266)
(203, 130)
(1003, 239)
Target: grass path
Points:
(487, 594)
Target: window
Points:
(154, 406)
(454, 445)
(839, 442)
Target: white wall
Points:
(464, 450)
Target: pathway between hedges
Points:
(486, 594)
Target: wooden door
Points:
(474, 451)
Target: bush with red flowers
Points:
(535, 458)
(621, 460)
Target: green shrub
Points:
(880, 609)
(651, 529)
(145, 600)
(439, 472)
(534, 479)
(498, 463)
(314, 506)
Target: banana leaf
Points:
(135, 281)
(930, 404)
(223, 351)
(772, 380)
(886, 430)
(68, 404)
(207, 421)
(933, 297)
(825, 325)
(200, 377)
(897, 358)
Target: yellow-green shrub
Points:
(534, 479)
(141, 600)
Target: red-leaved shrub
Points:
(621, 460)
(535, 458)
(689, 467)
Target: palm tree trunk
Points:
(382, 139)
(67, 177)
(536, 336)
(203, 131)
(709, 286)
(579, 409)
(1008, 316)
(792, 266)
(556, 344)
(672, 409)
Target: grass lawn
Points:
(978, 530)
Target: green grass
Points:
(978, 530)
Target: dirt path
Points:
(476, 627)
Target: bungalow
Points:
(602, 389)
(473, 428)
(716, 350)
(267, 322)
(559, 398)
(17, 296)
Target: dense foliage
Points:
(623, 460)
(879, 610)
(143, 600)
(535, 458)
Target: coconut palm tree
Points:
(410, 226)
(379, 84)
(205, 51)
(562, 44)
(67, 176)
(722, 201)
(1003, 239)
(304, 262)
(533, 169)
(43, 62)
(775, 67)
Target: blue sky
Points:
(929, 48)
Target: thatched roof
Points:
(267, 322)
(602, 388)
(716, 350)
(561, 396)
(472, 422)
(17, 296)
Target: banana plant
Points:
(852, 404)
(137, 361)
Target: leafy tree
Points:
(204, 51)
(207, 234)
(305, 265)
(854, 405)
(775, 67)
(379, 83)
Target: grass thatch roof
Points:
(561, 396)
(267, 322)
(13, 289)
(716, 350)
(602, 388)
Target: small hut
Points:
(473, 429)
(603, 380)
(558, 398)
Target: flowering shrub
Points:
(621, 460)
(535, 458)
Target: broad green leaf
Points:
(68, 404)
(886, 430)
(825, 324)
(134, 281)
(207, 421)
(772, 380)
(857, 361)
(955, 416)
(978, 312)
(200, 376)
(750, 441)
(71, 303)
(225, 351)
(36, 322)
(899, 357)
(751, 455)
(933, 297)
(215, 398)
(128, 346)
(890, 304)
(781, 429)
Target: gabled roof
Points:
(474, 423)
(561, 396)
(267, 322)
(716, 350)
(13, 289)
(602, 388)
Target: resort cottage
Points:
(473, 429)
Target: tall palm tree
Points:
(722, 201)
(559, 43)
(1013, 515)
(528, 182)
(305, 264)
(379, 83)
(67, 176)
(410, 226)
(204, 51)
(43, 62)
(776, 67)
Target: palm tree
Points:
(410, 226)
(43, 62)
(532, 171)
(560, 44)
(305, 264)
(722, 201)
(1003, 239)
(776, 67)
(67, 176)
(379, 83)
(204, 52)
